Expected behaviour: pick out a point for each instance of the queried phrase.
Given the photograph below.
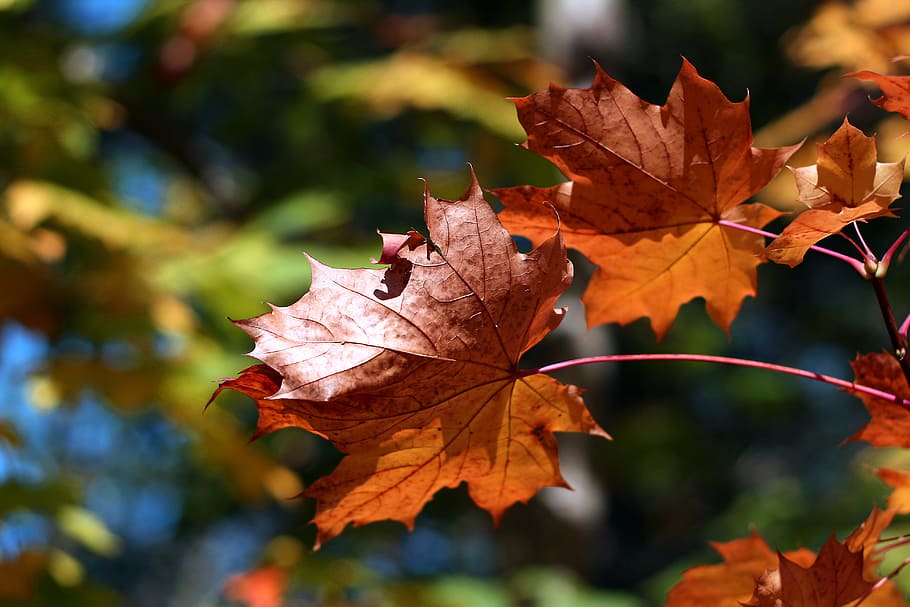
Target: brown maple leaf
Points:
(649, 187)
(413, 370)
(731, 582)
(834, 579)
(890, 423)
(895, 91)
(846, 185)
(753, 574)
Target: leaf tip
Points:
(598, 431)
(474, 190)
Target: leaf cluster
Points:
(412, 370)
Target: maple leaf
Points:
(842, 572)
(732, 581)
(890, 423)
(413, 370)
(846, 185)
(835, 578)
(649, 187)
(753, 574)
(895, 91)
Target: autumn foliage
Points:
(412, 368)
(650, 186)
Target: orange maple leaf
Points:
(846, 185)
(732, 581)
(890, 423)
(895, 91)
(413, 370)
(649, 188)
(834, 579)
(753, 574)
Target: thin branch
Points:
(894, 542)
(886, 260)
(854, 263)
(896, 335)
(849, 386)
(853, 244)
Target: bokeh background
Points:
(163, 164)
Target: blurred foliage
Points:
(164, 163)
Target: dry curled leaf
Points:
(413, 370)
(649, 187)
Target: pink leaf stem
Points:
(726, 360)
(868, 252)
(892, 543)
(886, 260)
(855, 264)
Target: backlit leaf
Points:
(650, 186)
(413, 370)
(847, 185)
